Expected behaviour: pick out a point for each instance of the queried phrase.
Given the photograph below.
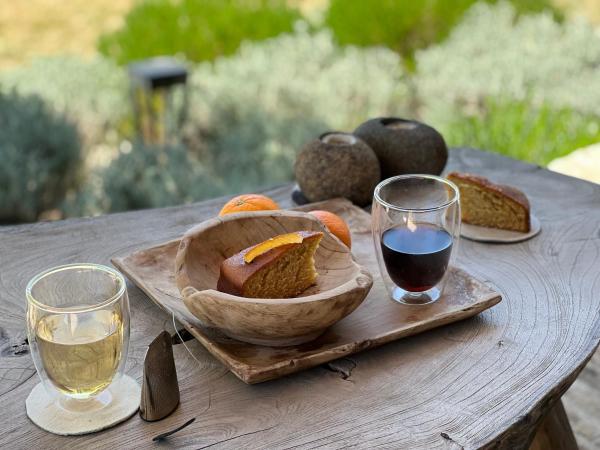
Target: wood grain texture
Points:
(582, 405)
(340, 288)
(377, 321)
(476, 383)
(555, 431)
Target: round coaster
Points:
(47, 413)
(484, 234)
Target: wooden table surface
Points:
(484, 382)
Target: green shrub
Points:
(40, 158)
(197, 29)
(253, 111)
(255, 150)
(518, 130)
(154, 176)
(494, 53)
(94, 94)
(404, 25)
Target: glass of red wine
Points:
(416, 228)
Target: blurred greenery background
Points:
(516, 77)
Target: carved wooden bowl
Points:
(341, 286)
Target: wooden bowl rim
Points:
(356, 282)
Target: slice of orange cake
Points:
(280, 267)
(491, 205)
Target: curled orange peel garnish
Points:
(269, 244)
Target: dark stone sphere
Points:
(404, 146)
(337, 165)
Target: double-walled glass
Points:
(78, 328)
(416, 229)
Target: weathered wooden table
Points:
(490, 381)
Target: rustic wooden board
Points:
(377, 321)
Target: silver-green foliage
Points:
(254, 110)
(494, 53)
(153, 176)
(93, 93)
(40, 157)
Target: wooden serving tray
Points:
(377, 321)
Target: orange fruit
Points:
(335, 224)
(269, 244)
(248, 202)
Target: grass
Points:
(48, 27)
(522, 131)
(590, 9)
(199, 30)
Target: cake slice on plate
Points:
(280, 267)
(491, 205)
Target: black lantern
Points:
(160, 98)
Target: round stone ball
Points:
(337, 165)
(404, 146)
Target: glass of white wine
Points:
(78, 328)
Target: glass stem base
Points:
(89, 404)
(416, 298)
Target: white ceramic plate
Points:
(484, 234)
